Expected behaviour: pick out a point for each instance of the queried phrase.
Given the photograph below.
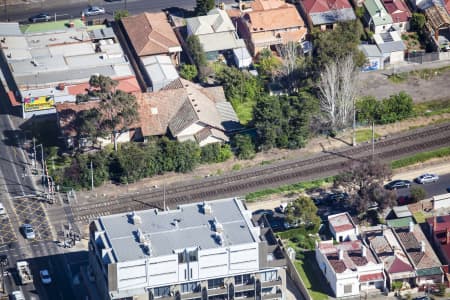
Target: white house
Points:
(209, 250)
(391, 46)
(342, 227)
(349, 268)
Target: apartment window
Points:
(269, 276)
(182, 258)
(215, 283)
(242, 279)
(190, 287)
(161, 291)
(193, 255)
(348, 288)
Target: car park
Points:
(94, 11)
(28, 231)
(42, 17)
(398, 184)
(427, 178)
(45, 276)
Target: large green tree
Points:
(202, 7)
(196, 51)
(303, 212)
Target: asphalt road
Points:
(432, 189)
(67, 10)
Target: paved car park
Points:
(30, 211)
(7, 234)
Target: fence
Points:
(422, 57)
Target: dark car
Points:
(448, 189)
(40, 18)
(336, 197)
(398, 184)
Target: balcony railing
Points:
(271, 283)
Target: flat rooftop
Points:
(187, 227)
(341, 222)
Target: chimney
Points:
(135, 218)
(207, 209)
(363, 251)
(411, 226)
(340, 254)
(393, 248)
(422, 246)
(448, 237)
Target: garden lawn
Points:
(435, 107)
(312, 276)
(244, 110)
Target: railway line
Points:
(318, 166)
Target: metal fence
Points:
(422, 57)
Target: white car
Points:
(45, 276)
(18, 295)
(2, 210)
(94, 11)
(427, 178)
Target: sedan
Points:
(28, 231)
(94, 11)
(45, 276)
(40, 18)
(2, 210)
(398, 184)
(427, 178)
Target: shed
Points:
(242, 57)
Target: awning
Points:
(371, 277)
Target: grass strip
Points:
(312, 276)
(364, 135)
(288, 188)
(420, 157)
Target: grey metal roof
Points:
(230, 120)
(160, 70)
(8, 29)
(219, 41)
(331, 17)
(370, 50)
(194, 229)
(103, 33)
(183, 118)
(392, 47)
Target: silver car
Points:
(427, 178)
(94, 11)
(28, 231)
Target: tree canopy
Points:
(303, 212)
(202, 7)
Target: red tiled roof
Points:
(442, 223)
(398, 10)
(344, 227)
(128, 85)
(321, 6)
(399, 266)
(371, 277)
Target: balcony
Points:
(277, 295)
(249, 286)
(271, 283)
(218, 291)
(191, 295)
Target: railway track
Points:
(322, 165)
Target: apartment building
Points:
(208, 250)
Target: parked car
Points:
(42, 17)
(18, 295)
(336, 197)
(28, 231)
(427, 178)
(448, 189)
(422, 298)
(94, 11)
(398, 184)
(2, 210)
(45, 276)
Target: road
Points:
(432, 189)
(71, 9)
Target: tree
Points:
(268, 65)
(196, 51)
(188, 72)
(99, 84)
(290, 61)
(204, 6)
(363, 180)
(87, 123)
(338, 90)
(120, 13)
(417, 193)
(303, 212)
(417, 22)
(244, 147)
(215, 152)
(267, 118)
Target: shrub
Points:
(188, 72)
(244, 147)
(417, 194)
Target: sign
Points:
(38, 103)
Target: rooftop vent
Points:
(154, 110)
(218, 227)
(135, 218)
(341, 254)
(363, 251)
(141, 237)
(422, 246)
(219, 238)
(207, 209)
(411, 226)
(146, 248)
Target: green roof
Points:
(51, 26)
(429, 271)
(402, 222)
(378, 13)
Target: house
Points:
(376, 17)
(388, 251)
(191, 112)
(350, 268)
(271, 23)
(160, 73)
(391, 47)
(420, 253)
(342, 227)
(206, 250)
(151, 34)
(216, 34)
(374, 57)
(400, 14)
(43, 64)
(326, 14)
(439, 228)
(438, 23)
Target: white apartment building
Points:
(210, 250)
(342, 227)
(350, 268)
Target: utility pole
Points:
(373, 140)
(354, 124)
(164, 197)
(92, 177)
(33, 162)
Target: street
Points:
(432, 189)
(72, 9)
